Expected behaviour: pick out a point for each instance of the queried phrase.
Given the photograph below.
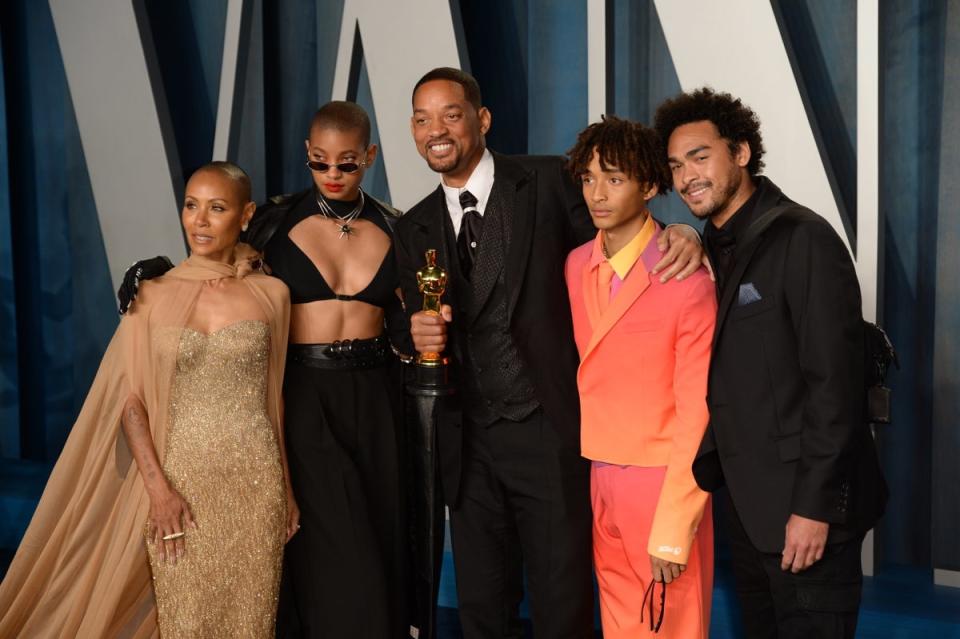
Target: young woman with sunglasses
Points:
(332, 245)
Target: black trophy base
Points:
(430, 380)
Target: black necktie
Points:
(470, 226)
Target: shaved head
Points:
(342, 116)
(234, 173)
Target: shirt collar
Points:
(623, 260)
(739, 221)
(479, 184)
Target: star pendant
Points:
(345, 231)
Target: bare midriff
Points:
(327, 321)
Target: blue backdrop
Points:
(56, 303)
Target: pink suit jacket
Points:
(643, 381)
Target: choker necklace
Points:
(342, 221)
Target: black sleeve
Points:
(398, 328)
(408, 264)
(581, 225)
(823, 296)
(263, 225)
(140, 272)
(268, 217)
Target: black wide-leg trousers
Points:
(343, 571)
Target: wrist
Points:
(157, 487)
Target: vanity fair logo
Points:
(130, 148)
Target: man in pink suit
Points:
(644, 349)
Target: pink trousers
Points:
(624, 501)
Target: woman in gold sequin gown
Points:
(221, 498)
(222, 457)
(180, 442)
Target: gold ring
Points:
(173, 536)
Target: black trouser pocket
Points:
(833, 584)
(829, 597)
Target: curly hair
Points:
(628, 146)
(735, 121)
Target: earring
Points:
(244, 227)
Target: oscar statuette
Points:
(431, 368)
(428, 391)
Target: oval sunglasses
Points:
(343, 167)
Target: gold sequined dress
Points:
(222, 457)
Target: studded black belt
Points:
(347, 354)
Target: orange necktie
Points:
(604, 279)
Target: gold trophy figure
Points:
(432, 282)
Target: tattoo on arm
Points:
(137, 430)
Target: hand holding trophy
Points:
(432, 282)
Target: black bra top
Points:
(289, 263)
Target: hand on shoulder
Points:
(683, 254)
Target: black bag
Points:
(879, 354)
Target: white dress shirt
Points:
(480, 184)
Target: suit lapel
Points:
(733, 285)
(519, 206)
(433, 236)
(776, 205)
(638, 280)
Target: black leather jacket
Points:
(267, 218)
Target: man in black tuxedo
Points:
(510, 460)
(787, 432)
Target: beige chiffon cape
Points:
(82, 569)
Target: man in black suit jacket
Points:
(786, 393)
(510, 449)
